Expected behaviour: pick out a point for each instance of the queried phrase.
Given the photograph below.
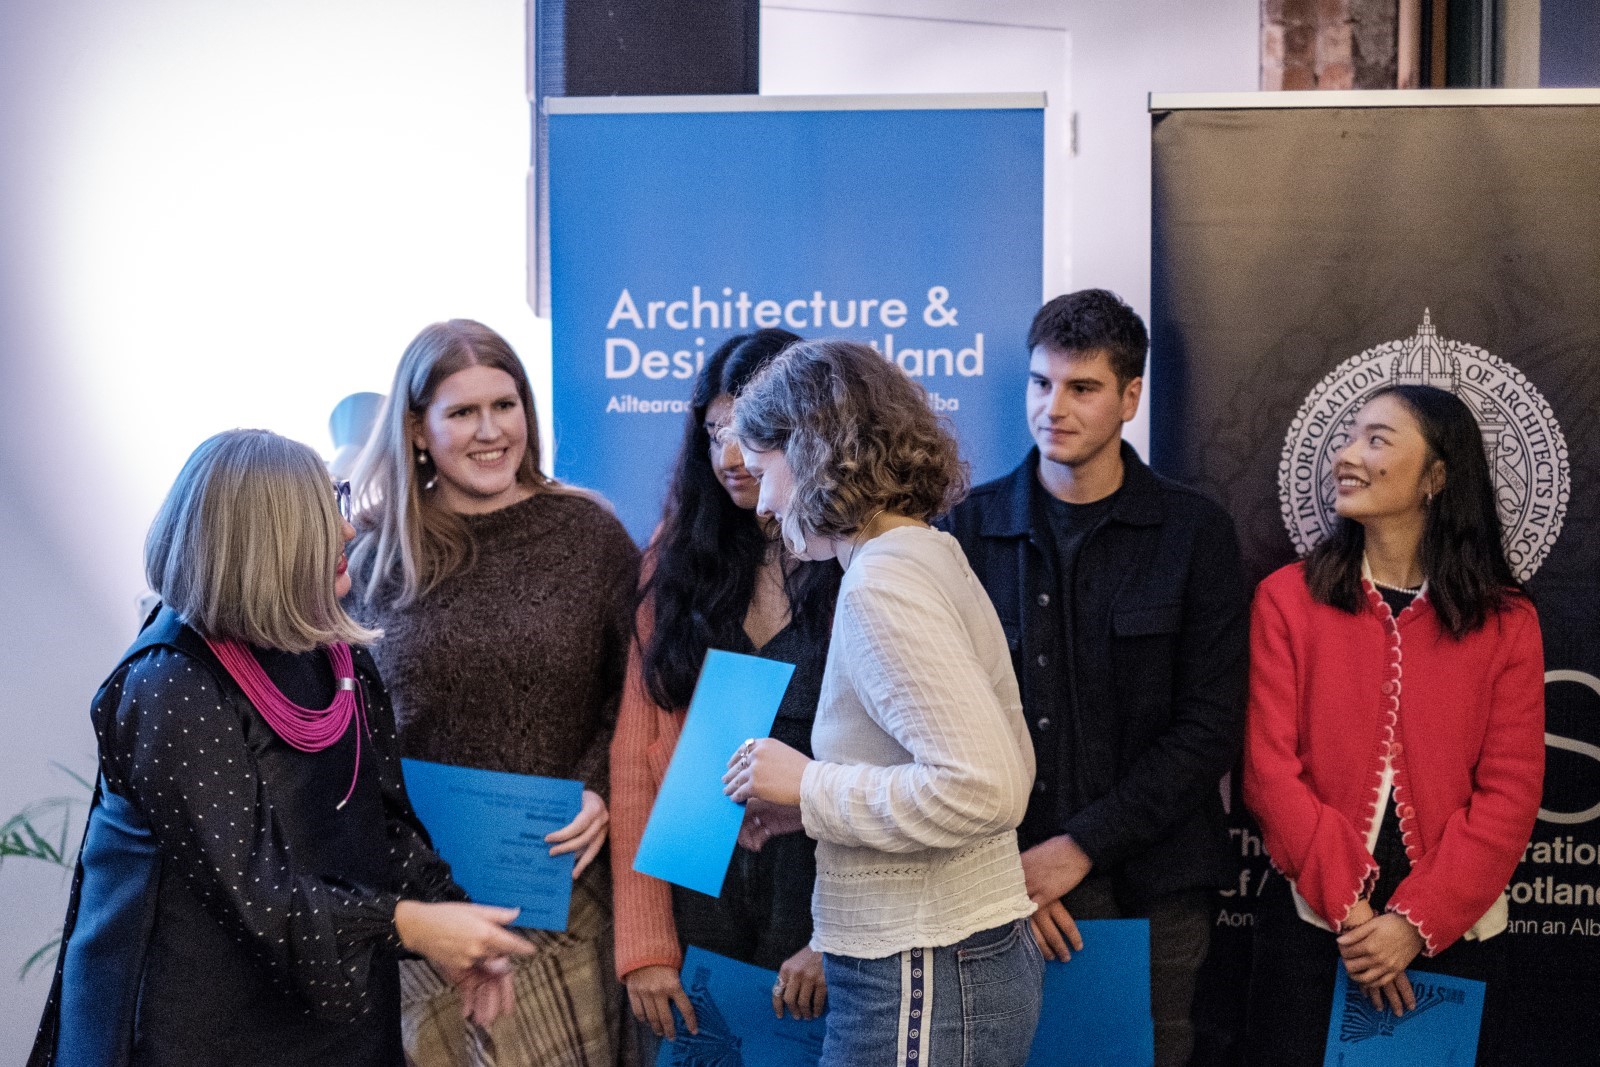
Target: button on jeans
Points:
(971, 1004)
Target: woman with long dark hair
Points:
(1394, 752)
(505, 599)
(252, 867)
(923, 764)
(716, 577)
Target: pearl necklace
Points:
(1397, 588)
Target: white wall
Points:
(215, 214)
(823, 49)
(1121, 50)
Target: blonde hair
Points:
(409, 542)
(246, 545)
(857, 433)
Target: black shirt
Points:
(1057, 719)
(1397, 599)
(763, 915)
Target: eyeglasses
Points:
(341, 493)
(721, 433)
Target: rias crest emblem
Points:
(1527, 452)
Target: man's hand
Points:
(801, 987)
(1056, 932)
(1053, 868)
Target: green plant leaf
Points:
(45, 952)
(88, 786)
(23, 835)
(41, 831)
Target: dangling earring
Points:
(423, 462)
(1428, 502)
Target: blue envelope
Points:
(490, 827)
(1441, 1032)
(1097, 1005)
(733, 1006)
(694, 826)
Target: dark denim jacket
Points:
(1160, 629)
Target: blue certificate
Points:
(1442, 1030)
(733, 1006)
(693, 826)
(490, 827)
(1097, 1005)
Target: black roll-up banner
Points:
(1304, 257)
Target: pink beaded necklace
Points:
(305, 729)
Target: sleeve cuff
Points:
(1431, 945)
(654, 961)
(1089, 835)
(814, 801)
(366, 916)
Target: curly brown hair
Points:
(857, 433)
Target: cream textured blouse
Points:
(923, 762)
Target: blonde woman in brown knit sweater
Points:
(717, 579)
(505, 600)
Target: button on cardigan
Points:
(1462, 720)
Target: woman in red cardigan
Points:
(1394, 753)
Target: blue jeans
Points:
(971, 1004)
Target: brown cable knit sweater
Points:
(516, 663)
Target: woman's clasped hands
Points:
(1376, 950)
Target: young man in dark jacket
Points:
(1122, 596)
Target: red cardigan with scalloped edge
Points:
(1332, 692)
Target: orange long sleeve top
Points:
(641, 748)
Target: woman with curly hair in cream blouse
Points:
(922, 762)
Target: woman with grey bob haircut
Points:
(244, 542)
(923, 763)
(252, 867)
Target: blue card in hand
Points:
(733, 1007)
(1097, 1005)
(693, 826)
(1441, 1032)
(490, 827)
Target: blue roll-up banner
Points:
(914, 224)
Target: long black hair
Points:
(1462, 555)
(709, 550)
